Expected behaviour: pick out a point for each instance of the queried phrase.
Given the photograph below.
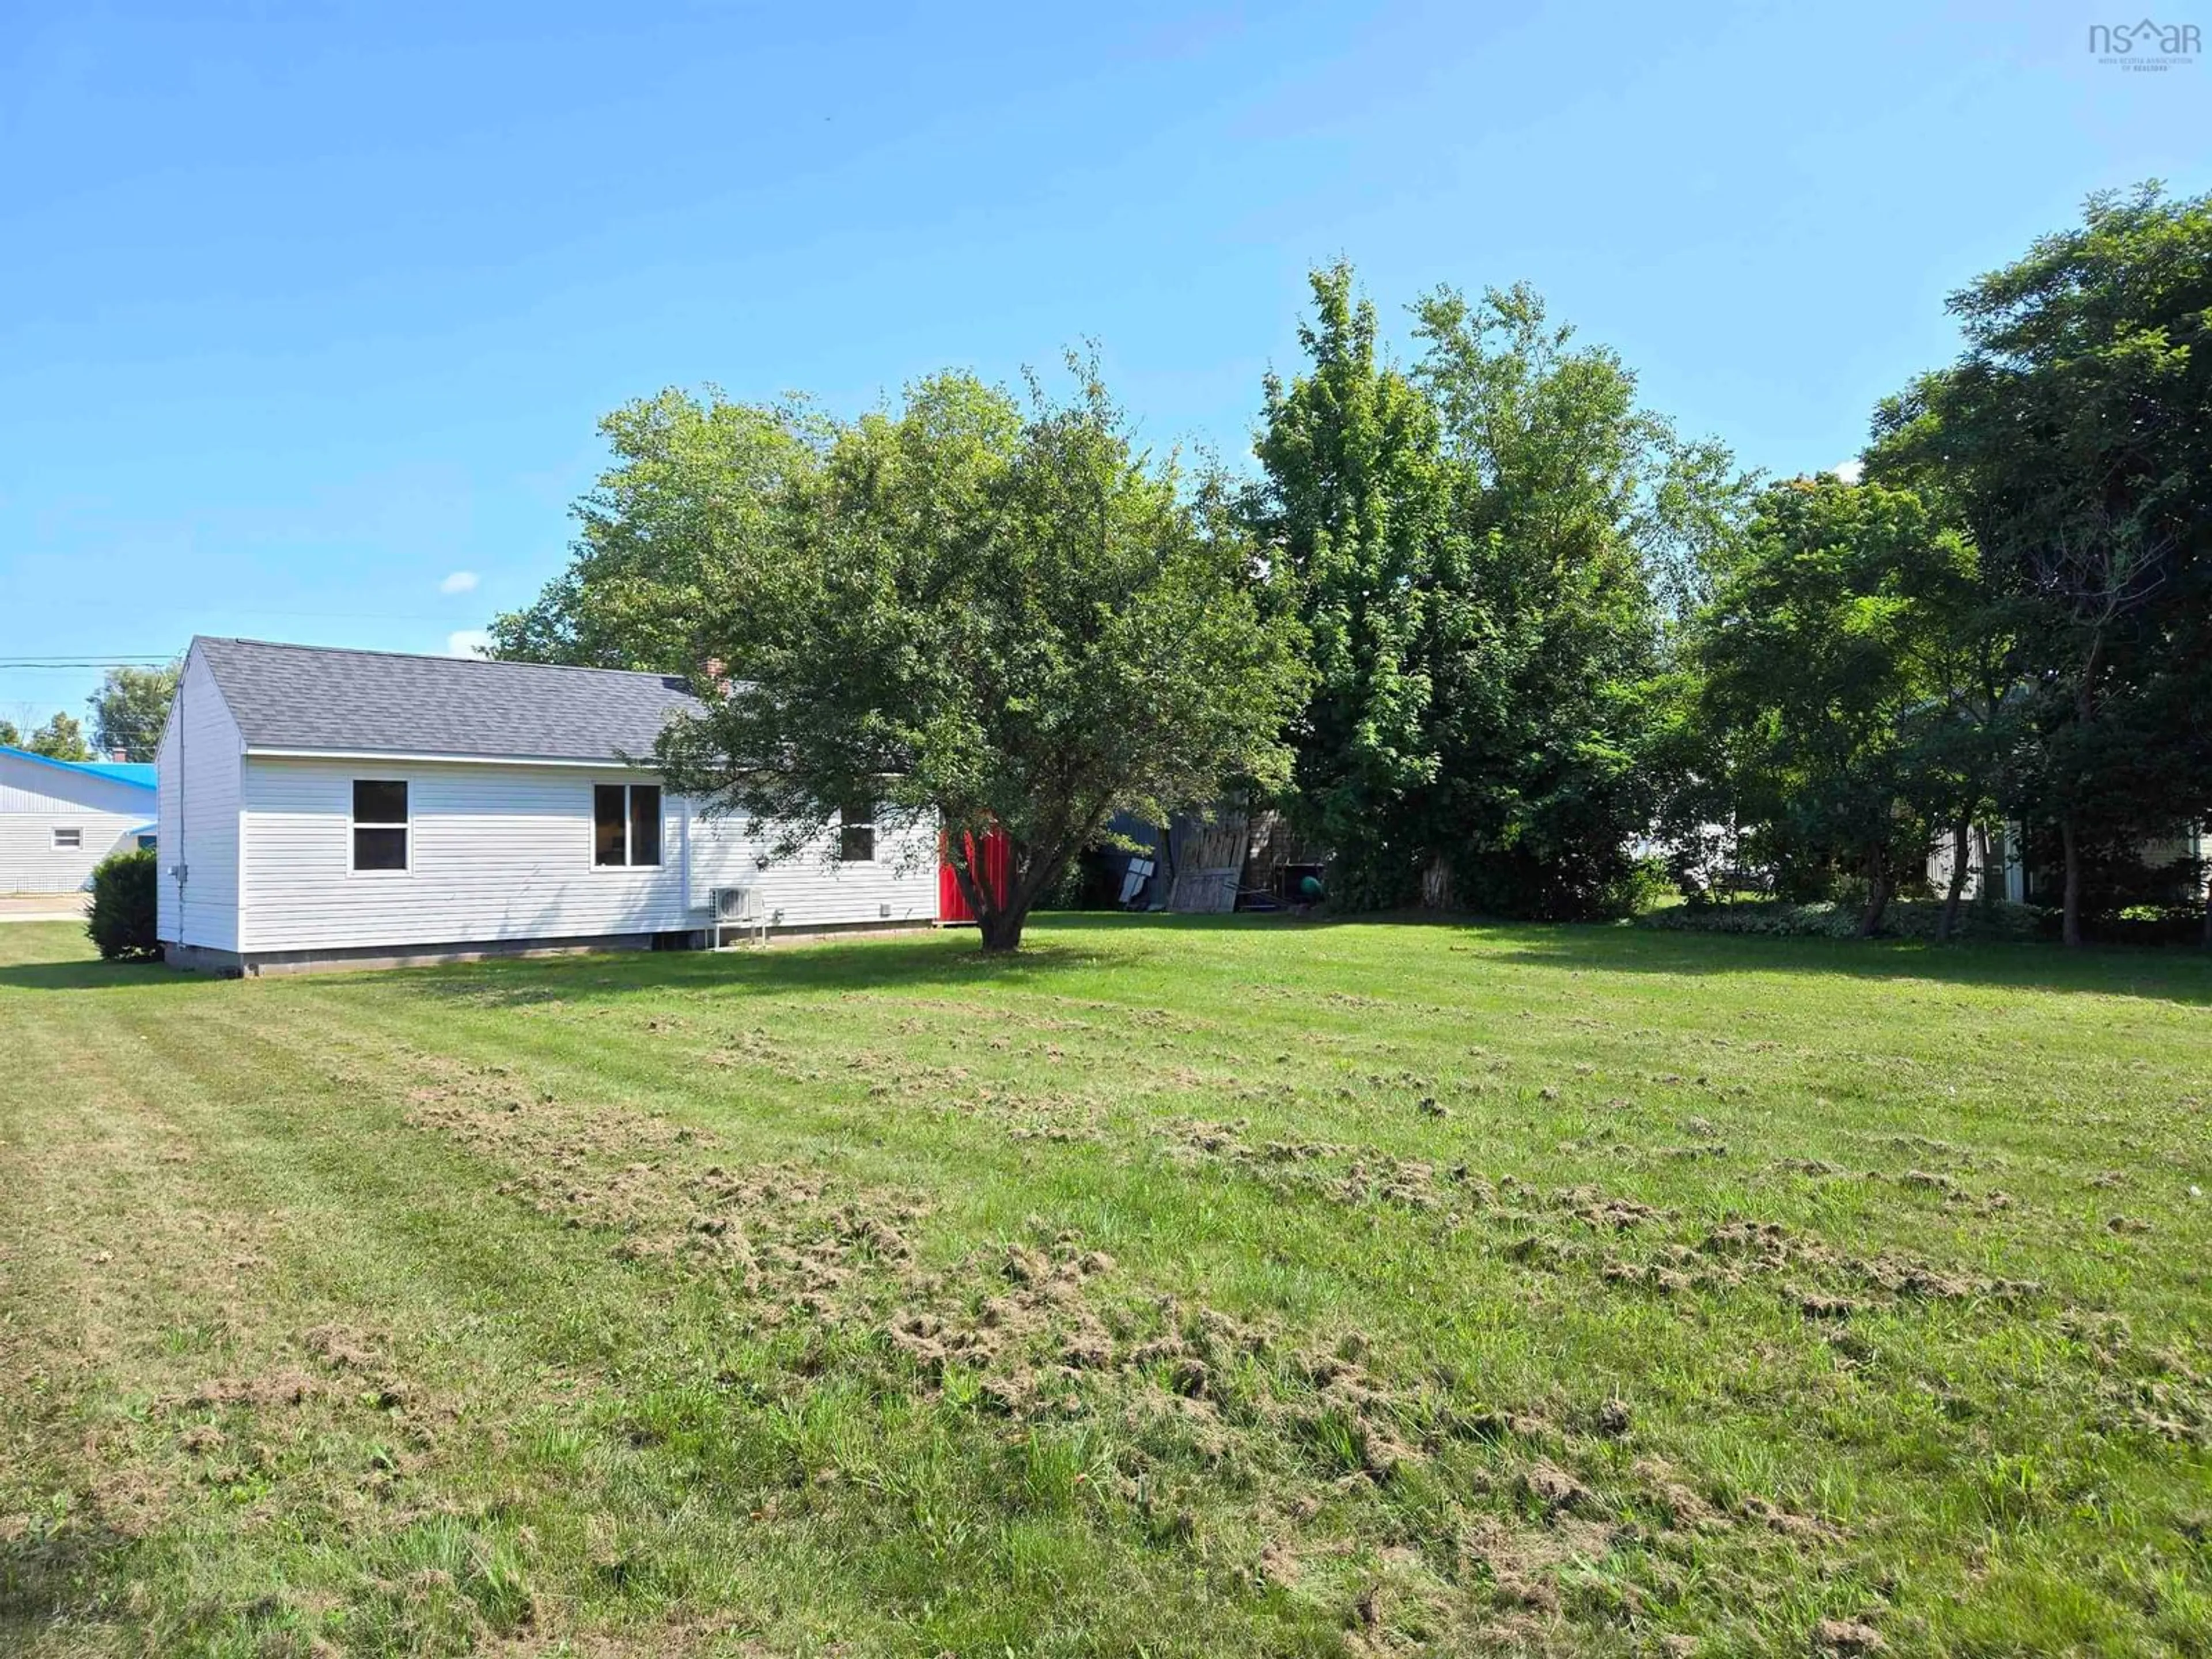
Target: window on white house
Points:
(645, 823)
(609, 824)
(380, 824)
(856, 833)
(625, 824)
(69, 840)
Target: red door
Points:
(995, 867)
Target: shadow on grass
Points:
(950, 961)
(46, 1578)
(1065, 943)
(88, 974)
(936, 962)
(2168, 973)
(541, 979)
(947, 958)
(1057, 944)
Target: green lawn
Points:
(1190, 1287)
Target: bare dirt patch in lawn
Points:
(1045, 1330)
(788, 1237)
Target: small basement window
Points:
(856, 833)
(625, 824)
(380, 823)
(69, 840)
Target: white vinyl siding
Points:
(41, 805)
(817, 888)
(494, 853)
(505, 852)
(199, 783)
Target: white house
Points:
(328, 806)
(1999, 851)
(58, 818)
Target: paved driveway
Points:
(42, 907)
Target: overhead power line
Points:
(160, 660)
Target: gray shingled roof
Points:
(302, 696)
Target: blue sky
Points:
(307, 312)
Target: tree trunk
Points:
(1877, 899)
(2208, 909)
(2070, 842)
(1001, 929)
(1948, 924)
(1436, 883)
(1032, 871)
(2085, 710)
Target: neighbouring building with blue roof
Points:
(58, 818)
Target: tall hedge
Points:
(122, 919)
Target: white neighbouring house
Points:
(1997, 853)
(328, 807)
(58, 818)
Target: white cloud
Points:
(461, 581)
(1850, 471)
(468, 642)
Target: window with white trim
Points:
(68, 840)
(625, 824)
(380, 824)
(856, 833)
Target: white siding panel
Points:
(36, 801)
(814, 889)
(198, 773)
(504, 852)
(494, 853)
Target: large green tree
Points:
(130, 709)
(1962, 738)
(60, 738)
(1476, 542)
(696, 485)
(1815, 658)
(1355, 506)
(1580, 525)
(998, 614)
(2075, 437)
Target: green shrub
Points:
(1902, 919)
(1644, 886)
(122, 920)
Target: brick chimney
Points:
(118, 753)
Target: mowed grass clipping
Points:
(1204, 1286)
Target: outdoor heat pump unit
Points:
(738, 907)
